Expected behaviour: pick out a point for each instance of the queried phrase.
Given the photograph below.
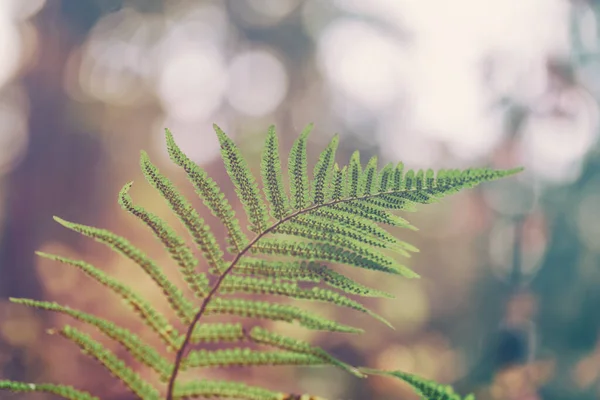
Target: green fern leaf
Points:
(343, 237)
(366, 228)
(369, 179)
(136, 347)
(152, 318)
(180, 305)
(386, 178)
(354, 175)
(335, 218)
(275, 312)
(66, 392)
(370, 212)
(398, 177)
(333, 227)
(263, 336)
(210, 194)
(307, 272)
(200, 232)
(337, 192)
(236, 284)
(244, 357)
(272, 177)
(174, 244)
(328, 253)
(218, 333)
(224, 390)
(427, 389)
(298, 172)
(323, 172)
(244, 182)
(142, 389)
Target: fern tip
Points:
(381, 319)
(61, 221)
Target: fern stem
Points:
(215, 288)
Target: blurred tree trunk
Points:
(59, 168)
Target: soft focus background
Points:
(508, 306)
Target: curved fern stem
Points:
(188, 336)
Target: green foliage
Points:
(427, 389)
(337, 217)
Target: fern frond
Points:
(354, 175)
(141, 351)
(336, 217)
(323, 171)
(245, 184)
(236, 284)
(272, 177)
(327, 253)
(386, 178)
(275, 312)
(334, 227)
(66, 392)
(178, 302)
(199, 230)
(427, 389)
(365, 227)
(343, 241)
(398, 176)
(224, 390)
(298, 172)
(366, 211)
(210, 193)
(244, 357)
(305, 271)
(151, 317)
(217, 333)
(264, 337)
(174, 244)
(337, 192)
(142, 389)
(369, 179)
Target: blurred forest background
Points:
(509, 300)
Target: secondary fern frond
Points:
(323, 171)
(238, 357)
(272, 177)
(64, 391)
(275, 312)
(141, 388)
(328, 253)
(335, 218)
(307, 272)
(354, 174)
(427, 389)
(180, 305)
(151, 317)
(141, 351)
(210, 194)
(201, 233)
(174, 244)
(236, 284)
(369, 178)
(231, 390)
(244, 182)
(218, 333)
(297, 167)
(263, 336)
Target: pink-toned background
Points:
(508, 303)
